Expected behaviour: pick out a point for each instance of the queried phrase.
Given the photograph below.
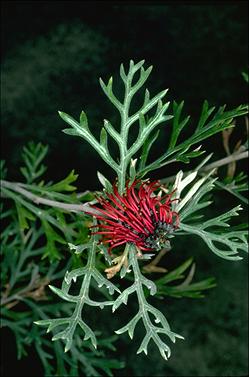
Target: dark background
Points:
(53, 53)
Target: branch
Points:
(153, 265)
(213, 165)
(15, 186)
(34, 289)
(225, 161)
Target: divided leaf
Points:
(88, 272)
(145, 311)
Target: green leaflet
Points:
(23, 216)
(33, 155)
(52, 236)
(65, 184)
(185, 288)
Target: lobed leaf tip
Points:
(66, 349)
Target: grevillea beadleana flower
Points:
(140, 216)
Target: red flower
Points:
(139, 216)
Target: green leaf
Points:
(122, 73)
(84, 121)
(107, 89)
(175, 274)
(245, 76)
(70, 120)
(103, 138)
(132, 170)
(105, 183)
(186, 288)
(146, 148)
(23, 216)
(82, 130)
(205, 114)
(33, 155)
(71, 132)
(122, 137)
(112, 132)
(187, 156)
(177, 124)
(65, 184)
(79, 248)
(51, 250)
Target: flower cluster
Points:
(139, 216)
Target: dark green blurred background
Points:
(52, 56)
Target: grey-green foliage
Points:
(226, 243)
(24, 278)
(153, 332)
(89, 272)
(210, 123)
(154, 329)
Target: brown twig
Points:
(35, 290)
(152, 266)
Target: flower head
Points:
(139, 216)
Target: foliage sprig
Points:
(89, 272)
(145, 310)
(147, 124)
(225, 244)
